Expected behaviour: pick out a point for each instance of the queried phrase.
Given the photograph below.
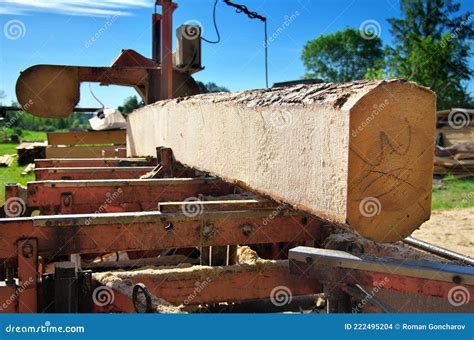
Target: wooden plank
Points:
(115, 137)
(457, 136)
(78, 151)
(6, 161)
(31, 145)
(358, 153)
(28, 169)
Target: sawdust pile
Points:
(245, 255)
(125, 287)
(124, 280)
(360, 246)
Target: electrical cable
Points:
(245, 10)
(254, 15)
(97, 99)
(215, 26)
(251, 15)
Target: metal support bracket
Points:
(27, 275)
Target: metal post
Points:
(167, 47)
(156, 37)
(27, 275)
(65, 288)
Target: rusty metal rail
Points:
(93, 162)
(85, 173)
(101, 233)
(89, 196)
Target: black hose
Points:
(215, 26)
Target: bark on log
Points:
(358, 153)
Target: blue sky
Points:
(59, 32)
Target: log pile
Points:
(358, 154)
(29, 151)
(6, 161)
(455, 126)
(457, 160)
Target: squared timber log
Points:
(358, 153)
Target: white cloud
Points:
(97, 8)
(10, 11)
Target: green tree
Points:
(432, 48)
(211, 87)
(342, 56)
(26, 121)
(130, 104)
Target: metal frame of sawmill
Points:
(82, 218)
(75, 219)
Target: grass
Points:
(28, 135)
(453, 193)
(12, 174)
